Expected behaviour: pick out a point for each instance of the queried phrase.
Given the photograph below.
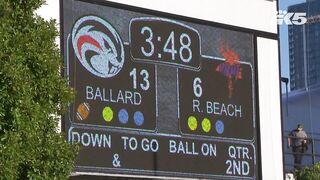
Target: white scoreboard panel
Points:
(255, 18)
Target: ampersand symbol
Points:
(116, 161)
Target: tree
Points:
(32, 95)
(309, 173)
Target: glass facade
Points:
(304, 45)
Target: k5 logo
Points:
(298, 18)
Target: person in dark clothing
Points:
(297, 140)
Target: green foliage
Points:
(309, 173)
(32, 94)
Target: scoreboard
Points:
(159, 94)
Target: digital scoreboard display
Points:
(158, 94)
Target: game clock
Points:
(163, 41)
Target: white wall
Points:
(252, 14)
(269, 101)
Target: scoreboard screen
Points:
(159, 94)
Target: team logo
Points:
(231, 68)
(98, 46)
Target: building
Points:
(304, 45)
(301, 107)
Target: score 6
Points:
(197, 89)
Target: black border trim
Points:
(63, 68)
(255, 33)
(259, 33)
(280, 91)
(257, 105)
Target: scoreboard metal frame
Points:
(254, 33)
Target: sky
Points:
(50, 10)
(284, 46)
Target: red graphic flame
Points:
(87, 39)
(231, 67)
(230, 56)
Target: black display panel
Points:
(159, 94)
(217, 101)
